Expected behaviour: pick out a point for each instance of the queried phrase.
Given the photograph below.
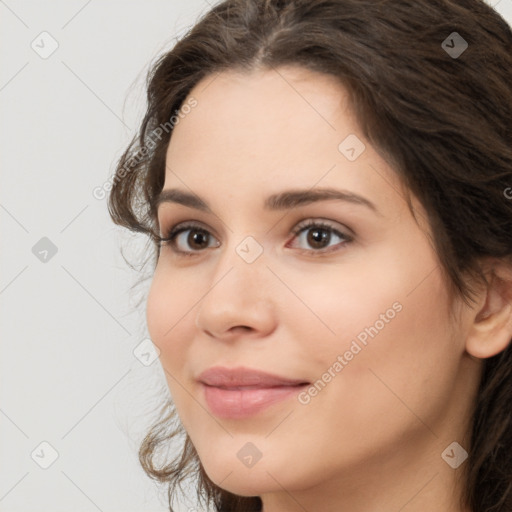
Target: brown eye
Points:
(197, 239)
(193, 239)
(319, 235)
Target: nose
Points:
(240, 299)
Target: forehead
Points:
(252, 134)
(264, 121)
(283, 105)
(269, 102)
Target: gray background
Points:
(74, 365)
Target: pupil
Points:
(195, 236)
(318, 236)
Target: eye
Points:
(199, 238)
(320, 233)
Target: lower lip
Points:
(242, 403)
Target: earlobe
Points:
(491, 330)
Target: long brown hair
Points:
(442, 119)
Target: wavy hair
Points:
(442, 121)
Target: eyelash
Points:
(173, 232)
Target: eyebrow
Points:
(285, 200)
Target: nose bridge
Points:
(242, 268)
(239, 294)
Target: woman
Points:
(332, 223)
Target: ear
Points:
(491, 330)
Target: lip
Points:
(220, 376)
(241, 392)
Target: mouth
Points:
(244, 388)
(241, 392)
(239, 403)
(243, 377)
(242, 402)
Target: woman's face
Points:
(357, 307)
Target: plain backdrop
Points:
(76, 386)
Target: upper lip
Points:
(219, 376)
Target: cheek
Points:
(386, 332)
(402, 367)
(167, 309)
(347, 309)
(169, 305)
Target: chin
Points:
(242, 481)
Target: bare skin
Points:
(372, 438)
